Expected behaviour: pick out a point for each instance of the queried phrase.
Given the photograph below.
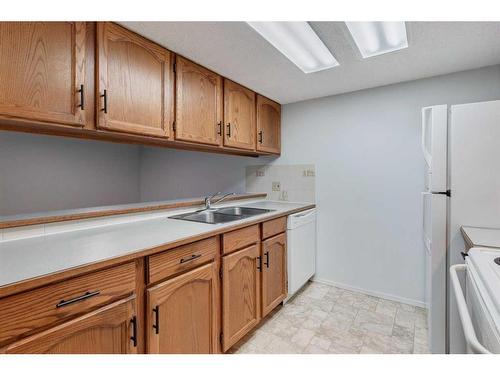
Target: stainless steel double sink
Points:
(221, 215)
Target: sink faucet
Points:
(208, 200)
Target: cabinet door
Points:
(182, 314)
(109, 330)
(240, 294)
(273, 272)
(268, 125)
(135, 90)
(198, 115)
(42, 71)
(239, 116)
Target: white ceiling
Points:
(236, 51)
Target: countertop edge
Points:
(113, 210)
(38, 281)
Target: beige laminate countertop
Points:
(30, 258)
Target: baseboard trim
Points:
(390, 297)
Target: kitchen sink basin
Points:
(221, 215)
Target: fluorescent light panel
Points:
(377, 38)
(299, 43)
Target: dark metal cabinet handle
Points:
(228, 129)
(259, 263)
(260, 137)
(267, 259)
(105, 100)
(77, 299)
(82, 98)
(156, 326)
(133, 321)
(192, 257)
(219, 124)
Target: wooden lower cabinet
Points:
(109, 330)
(274, 272)
(240, 294)
(182, 313)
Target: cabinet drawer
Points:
(240, 238)
(31, 311)
(272, 227)
(182, 258)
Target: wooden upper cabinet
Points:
(42, 71)
(135, 87)
(109, 330)
(268, 125)
(182, 314)
(239, 116)
(198, 104)
(274, 274)
(240, 294)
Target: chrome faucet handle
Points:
(208, 200)
(223, 197)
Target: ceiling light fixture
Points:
(299, 43)
(377, 38)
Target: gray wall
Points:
(168, 174)
(369, 175)
(40, 173)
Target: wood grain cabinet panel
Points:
(182, 313)
(273, 227)
(181, 259)
(135, 90)
(28, 312)
(198, 104)
(109, 330)
(240, 294)
(42, 70)
(268, 125)
(239, 116)
(274, 272)
(240, 238)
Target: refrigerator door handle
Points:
(427, 241)
(427, 155)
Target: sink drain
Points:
(497, 261)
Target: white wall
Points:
(40, 173)
(369, 175)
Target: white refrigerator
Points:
(461, 147)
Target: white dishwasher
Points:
(301, 249)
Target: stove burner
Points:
(497, 261)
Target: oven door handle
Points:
(463, 311)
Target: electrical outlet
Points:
(259, 173)
(284, 195)
(308, 173)
(276, 186)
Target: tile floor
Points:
(326, 319)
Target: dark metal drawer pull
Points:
(192, 257)
(105, 100)
(77, 299)
(219, 124)
(134, 330)
(267, 259)
(261, 137)
(156, 326)
(259, 264)
(82, 98)
(229, 129)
